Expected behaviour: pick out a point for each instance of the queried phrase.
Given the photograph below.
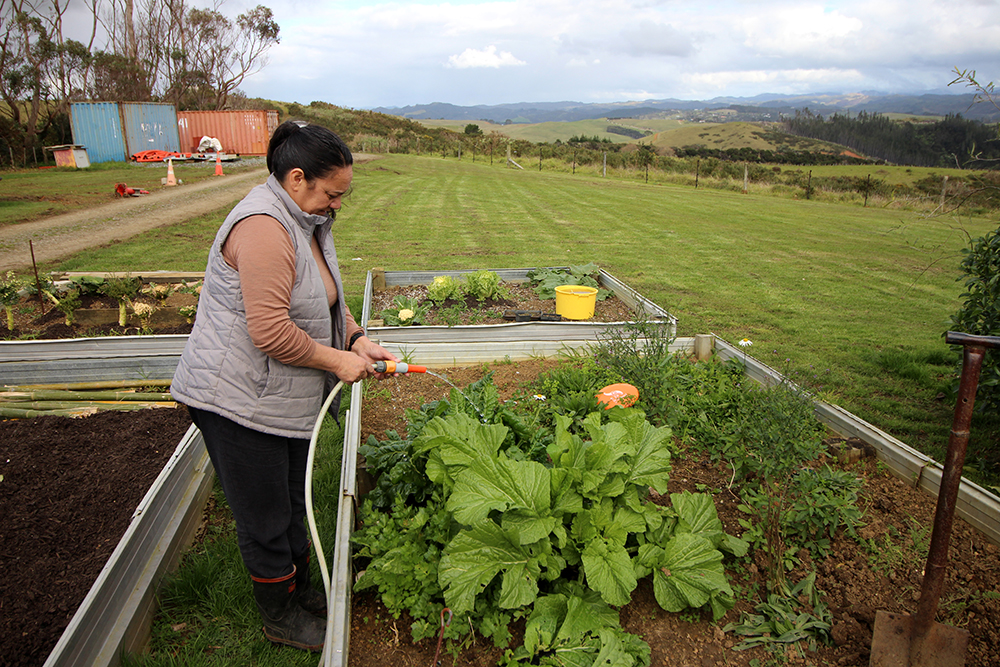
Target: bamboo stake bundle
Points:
(73, 405)
(60, 395)
(81, 399)
(84, 386)
(15, 413)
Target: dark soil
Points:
(43, 321)
(856, 581)
(68, 489)
(34, 320)
(457, 313)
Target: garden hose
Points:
(310, 517)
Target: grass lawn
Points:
(849, 301)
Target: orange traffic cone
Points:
(171, 179)
(218, 165)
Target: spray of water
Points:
(482, 417)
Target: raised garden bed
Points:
(879, 570)
(483, 322)
(169, 299)
(69, 492)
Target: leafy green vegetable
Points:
(528, 526)
(485, 285)
(545, 281)
(406, 311)
(443, 288)
(576, 629)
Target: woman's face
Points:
(321, 196)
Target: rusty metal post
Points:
(951, 478)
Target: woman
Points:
(271, 337)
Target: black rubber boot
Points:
(285, 622)
(310, 599)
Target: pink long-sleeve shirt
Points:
(261, 251)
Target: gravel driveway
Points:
(62, 235)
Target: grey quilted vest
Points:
(221, 370)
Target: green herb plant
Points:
(123, 288)
(821, 501)
(10, 289)
(779, 435)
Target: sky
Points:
(364, 54)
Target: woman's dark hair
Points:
(312, 148)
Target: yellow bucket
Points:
(575, 302)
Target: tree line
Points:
(951, 142)
(135, 51)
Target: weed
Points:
(452, 315)
(373, 391)
(892, 551)
(787, 618)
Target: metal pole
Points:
(951, 478)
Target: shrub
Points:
(980, 314)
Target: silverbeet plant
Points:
(559, 542)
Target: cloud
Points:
(656, 39)
(488, 57)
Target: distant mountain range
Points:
(821, 103)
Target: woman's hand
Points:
(350, 367)
(372, 352)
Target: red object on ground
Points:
(163, 156)
(122, 190)
(622, 394)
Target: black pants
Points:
(263, 477)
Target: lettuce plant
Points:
(443, 288)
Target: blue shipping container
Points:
(97, 126)
(150, 126)
(113, 132)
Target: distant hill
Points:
(765, 105)
(728, 136)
